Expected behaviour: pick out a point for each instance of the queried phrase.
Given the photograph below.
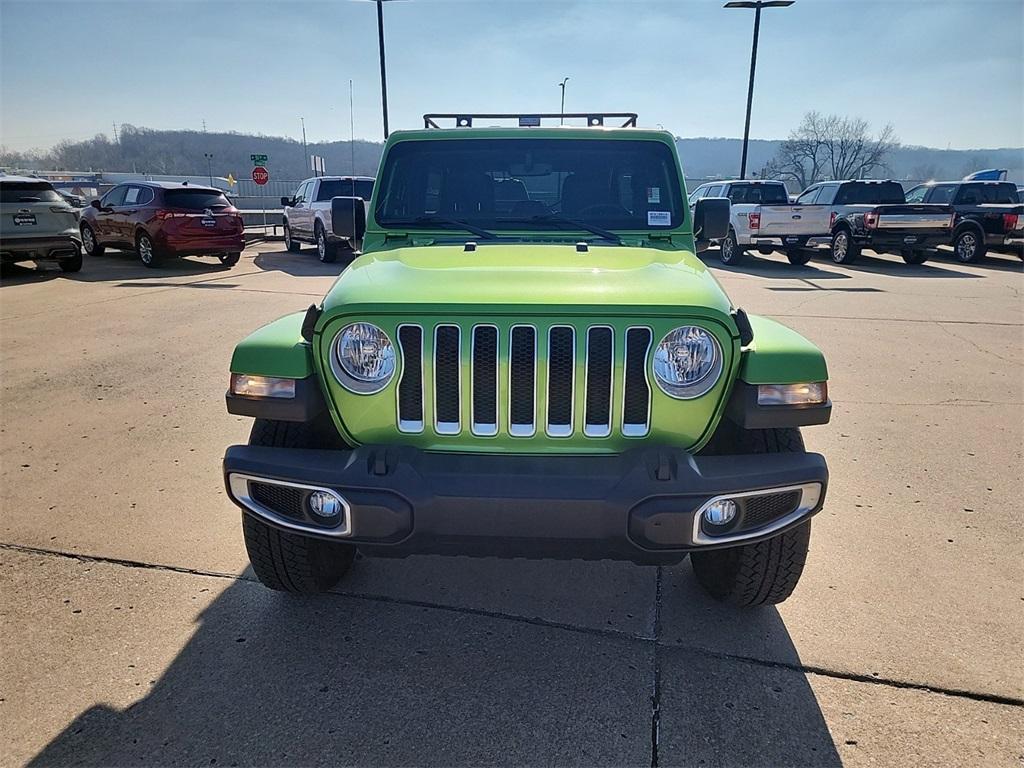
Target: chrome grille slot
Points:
(597, 420)
(636, 390)
(485, 380)
(410, 388)
(561, 379)
(522, 381)
(447, 380)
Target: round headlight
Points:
(363, 358)
(687, 362)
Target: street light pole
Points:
(305, 149)
(209, 165)
(383, 66)
(561, 115)
(757, 5)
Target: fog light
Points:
(720, 512)
(325, 505)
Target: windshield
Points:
(28, 192)
(195, 199)
(540, 184)
(344, 188)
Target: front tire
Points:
(915, 255)
(729, 251)
(798, 256)
(72, 264)
(844, 250)
(90, 243)
(326, 251)
(969, 246)
(293, 246)
(284, 561)
(146, 250)
(765, 572)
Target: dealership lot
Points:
(133, 633)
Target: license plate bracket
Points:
(24, 219)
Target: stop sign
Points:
(260, 175)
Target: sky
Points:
(945, 74)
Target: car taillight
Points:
(832, 220)
(871, 220)
(164, 215)
(1009, 221)
(754, 220)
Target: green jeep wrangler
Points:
(529, 360)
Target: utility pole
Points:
(561, 114)
(209, 165)
(116, 140)
(305, 149)
(383, 66)
(757, 5)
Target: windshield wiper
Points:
(557, 218)
(435, 220)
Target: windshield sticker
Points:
(654, 194)
(659, 219)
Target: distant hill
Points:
(182, 152)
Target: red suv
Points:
(158, 219)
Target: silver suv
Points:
(37, 224)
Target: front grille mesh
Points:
(514, 378)
(761, 510)
(282, 499)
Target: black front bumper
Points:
(642, 505)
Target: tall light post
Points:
(305, 149)
(209, 165)
(757, 5)
(561, 114)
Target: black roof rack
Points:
(534, 120)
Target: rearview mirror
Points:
(710, 221)
(348, 218)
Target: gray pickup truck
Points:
(847, 216)
(307, 213)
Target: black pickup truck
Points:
(986, 215)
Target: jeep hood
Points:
(503, 276)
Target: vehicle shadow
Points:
(114, 266)
(302, 264)
(344, 679)
(767, 266)
(994, 260)
(893, 265)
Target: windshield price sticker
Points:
(659, 219)
(654, 194)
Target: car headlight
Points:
(363, 358)
(687, 362)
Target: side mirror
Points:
(348, 218)
(710, 221)
(287, 202)
(95, 204)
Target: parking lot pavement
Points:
(133, 632)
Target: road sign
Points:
(259, 159)
(260, 175)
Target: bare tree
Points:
(831, 147)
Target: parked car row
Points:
(844, 217)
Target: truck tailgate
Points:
(925, 216)
(786, 220)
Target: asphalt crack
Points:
(653, 639)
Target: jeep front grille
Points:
(547, 368)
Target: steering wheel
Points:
(603, 211)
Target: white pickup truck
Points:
(307, 213)
(748, 199)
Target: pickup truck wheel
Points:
(290, 562)
(968, 246)
(798, 256)
(146, 250)
(90, 243)
(766, 572)
(72, 263)
(915, 255)
(765, 250)
(292, 245)
(325, 250)
(728, 250)
(844, 250)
